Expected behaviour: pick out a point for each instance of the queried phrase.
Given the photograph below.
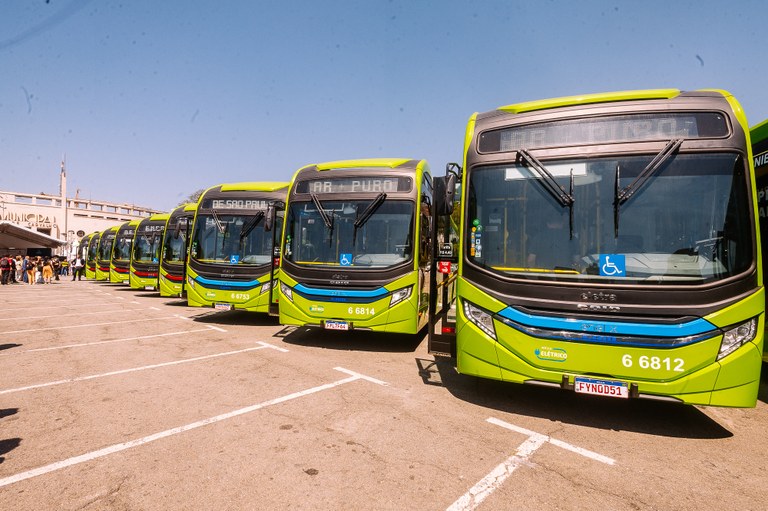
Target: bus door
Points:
(441, 339)
(271, 224)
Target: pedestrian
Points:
(5, 269)
(31, 270)
(64, 268)
(78, 268)
(39, 270)
(47, 271)
(19, 269)
(56, 266)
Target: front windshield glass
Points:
(146, 247)
(93, 249)
(227, 238)
(105, 246)
(176, 242)
(383, 240)
(689, 223)
(122, 247)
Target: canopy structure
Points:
(14, 236)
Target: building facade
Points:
(65, 218)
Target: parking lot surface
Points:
(118, 399)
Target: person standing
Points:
(77, 268)
(5, 268)
(19, 269)
(31, 271)
(47, 271)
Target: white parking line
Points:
(95, 343)
(134, 369)
(490, 483)
(181, 429)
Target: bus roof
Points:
(256, 186)
(585, 99)
(759, 131)
(366, 162)
(157, 216)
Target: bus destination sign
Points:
(373, 184)
(234, 204)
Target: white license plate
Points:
(601, 387)
(149, 288)
(223, 306)
(336, 325)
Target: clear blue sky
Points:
(151, 100)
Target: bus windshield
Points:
(373, 233)
(689, 222)
(105, 246)
(146, 247)
(122, 248)
(228, 238)
(175, 244)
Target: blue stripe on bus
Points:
(695, 327)
(227, 284)
(347, 293)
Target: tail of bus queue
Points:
(609, 246)
(145, 253)
(82, 252)
(759, 137)
(92, 255)
(173, 258)
(104, 252)
(232, 252)
(357, 246)
(120, 263)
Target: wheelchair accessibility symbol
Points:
(613, 265)
(345, 259)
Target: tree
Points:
(192, 197)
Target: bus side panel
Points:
(168, 287)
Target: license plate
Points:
(601, 387)
(149, 288)
(223, 306)
(336, 325)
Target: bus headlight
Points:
(266, 286)
(736, 337)
(287, 291)
(481, 318)
(400, 295)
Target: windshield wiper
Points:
(327, 219)
(550, 184)
(218, 222)
(251, 225)
(367, 214)
(623, 195)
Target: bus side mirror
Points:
(444, 188)
(269, 219)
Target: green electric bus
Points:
(173, 259)
(120, 264)
(357, 246)
(145, 253)
(81, 252)
(759, 136)
(231, 262)
(610, 246)
(104, 252)
(92, 255)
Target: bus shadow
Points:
(637, 415)
(179, 302)
(235, 318)
(355, 340)
(9, 346)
